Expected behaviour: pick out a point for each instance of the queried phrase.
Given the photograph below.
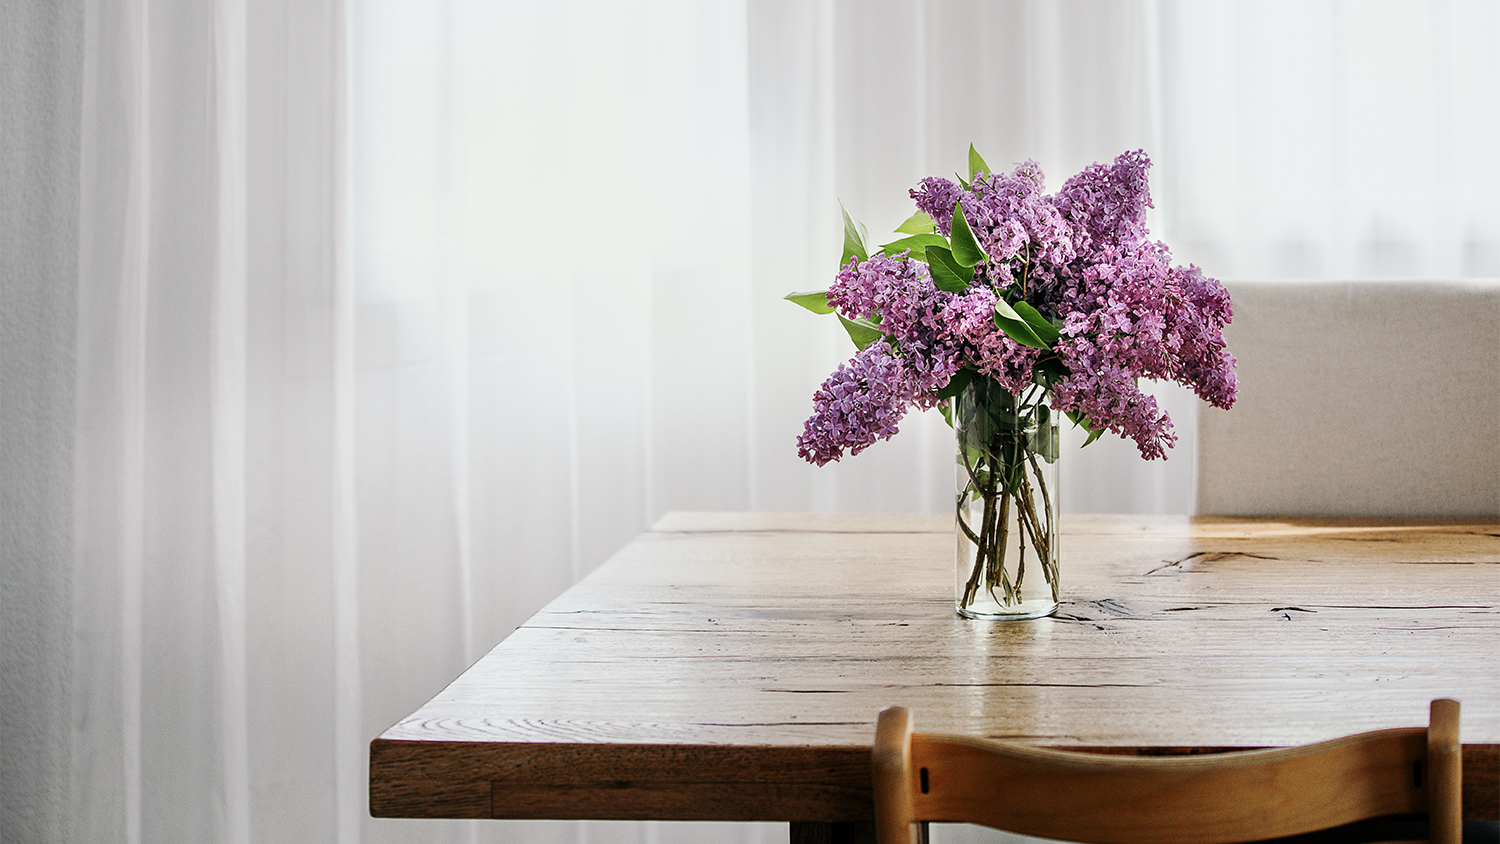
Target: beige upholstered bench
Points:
(1358, 399)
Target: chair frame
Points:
(1224, 798)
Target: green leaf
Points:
(1051, 369)
(861, 331)
(814, 300)
(1045, 330)
(947, 273)
(1043, 442)
(1007, 320)
(854, 238)
(1012, 466)
(1082, 421)
(956, 384)
(918, 223)
(976, 163)
(965, 248)
(1004, 419)
(976, 433)
(917, 243)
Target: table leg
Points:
(814, 832)
(819, 832)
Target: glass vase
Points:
(1006, 480)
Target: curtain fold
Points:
(393, 319)
(209, 686)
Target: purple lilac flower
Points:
(1081, 257)
(1207, 364)
(1133, 315)
(1108, 203)
(1011, 218)
(935, 197)
(898, 292)
(864, 400)
(988, 349)
(1108, 394)
(910, 309)
(1008, 214)
(860, 403)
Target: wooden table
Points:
(729, 666)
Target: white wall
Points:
(40, 71)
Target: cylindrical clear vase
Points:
(1006, 480)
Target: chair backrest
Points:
(1378, 398)
(1207, 799)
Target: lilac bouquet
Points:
(1002, 306)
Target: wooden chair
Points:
(1209, 799)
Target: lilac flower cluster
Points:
(1009, 215)
(864, 399)
(860, 403)
(1083, 258)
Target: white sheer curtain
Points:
(386, 320)
(1332, 140)
(218, 646)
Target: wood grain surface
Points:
(730, 666)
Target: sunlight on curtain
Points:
(1332, 140)
(551, 237)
